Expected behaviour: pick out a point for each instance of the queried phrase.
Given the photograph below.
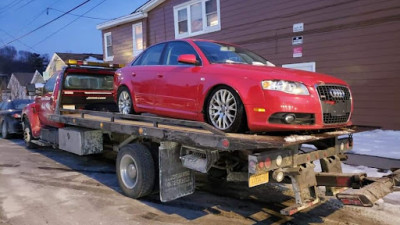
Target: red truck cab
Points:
(79, 85)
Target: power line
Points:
(81, 16)
(26, 4)
(9, 6)
(63, 27)
(30, 32)
(30, 47)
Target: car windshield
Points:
(88, 82)
(19, 104)
(230, 54)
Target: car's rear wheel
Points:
(4, 130)
(125, 105)
(225, 110)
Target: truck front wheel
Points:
(135, 170)
(27, 132)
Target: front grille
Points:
(329, 119)
(335, 102)
(325, 95)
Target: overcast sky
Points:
(20, 17)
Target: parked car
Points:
(231, 88)
(10, 116)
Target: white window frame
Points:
(206, 29)
(136, 51)
(106, 57)
(297, 65)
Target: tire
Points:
(225, 111)
(124, 101)
(135, 170)
(27, 134)
(4, 130)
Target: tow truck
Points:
(75, 112)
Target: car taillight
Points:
(16, 116)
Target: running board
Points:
(41, 143)
(370, 193)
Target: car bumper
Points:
(279, 103)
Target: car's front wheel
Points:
(225, 110)
(125, 105)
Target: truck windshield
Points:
(230, 54)
(88, 82)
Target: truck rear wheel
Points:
(135, 170)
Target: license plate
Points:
(258, 179)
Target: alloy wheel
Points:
(222, 109)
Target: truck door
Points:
(47, 103)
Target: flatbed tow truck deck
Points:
(180, 147)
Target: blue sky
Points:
(20, 17)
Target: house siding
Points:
(122, 41)
(354, 40)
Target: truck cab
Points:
(79, 85)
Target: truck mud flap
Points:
(369, 194)
(175, 180)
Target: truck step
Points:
(199, 161)
(41, 143)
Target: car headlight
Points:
(290, 87)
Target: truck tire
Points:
(135, 170)
(4, 130)
(27, 132)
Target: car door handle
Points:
(160, 75)
(133, 74)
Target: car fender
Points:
(30, 112)
(248, 90)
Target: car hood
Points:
(260, 73)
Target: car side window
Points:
(151, 56)
(175, 49)
(49, 86)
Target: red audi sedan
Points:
(231, 88)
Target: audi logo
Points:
(337, 93)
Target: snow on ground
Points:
(382, 143)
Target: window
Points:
(197, 17)
(152, 56)
(88, 82)
(175, 49)
(108, 48)
(49, 86)
(137, 34)
(229, 54)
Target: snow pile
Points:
(383, 143)
(93, 59)
(295, 138)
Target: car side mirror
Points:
(188, 59)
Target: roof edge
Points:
(138, 14)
